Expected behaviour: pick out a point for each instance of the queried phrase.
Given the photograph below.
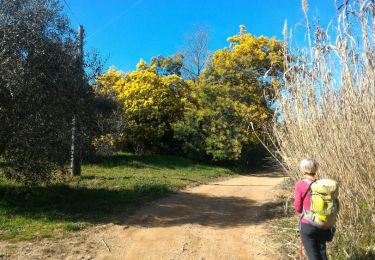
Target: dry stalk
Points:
(106, 245)
(327, 111)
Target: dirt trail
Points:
(222, 220)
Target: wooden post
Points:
(75, 149)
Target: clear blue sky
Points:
(127, 30)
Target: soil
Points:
(221, 220)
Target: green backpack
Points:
(324, 204)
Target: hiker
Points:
(313, 237)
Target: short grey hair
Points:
(309, 166)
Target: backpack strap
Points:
(308, 189)
(304, 211)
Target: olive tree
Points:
(41, 87)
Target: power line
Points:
(114, 19)
(71, 11)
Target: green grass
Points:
(106, 192)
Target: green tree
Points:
(166, 66)
(39, 89)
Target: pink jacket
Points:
(302, 203)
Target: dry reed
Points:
(327, 111)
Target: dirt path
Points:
(223, 220)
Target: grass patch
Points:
(105, 193)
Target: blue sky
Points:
(126, 30)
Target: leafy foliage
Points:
(234, 90)
(150, 104)
(39, 79)
(165, 66)
(208, 116)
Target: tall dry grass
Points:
(327, 112)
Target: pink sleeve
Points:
(298, 198)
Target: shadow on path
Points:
(190, 208)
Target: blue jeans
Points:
(314, 241)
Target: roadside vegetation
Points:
(194, 103)
(107, 192)
(326, 112)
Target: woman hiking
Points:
(313, 238)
